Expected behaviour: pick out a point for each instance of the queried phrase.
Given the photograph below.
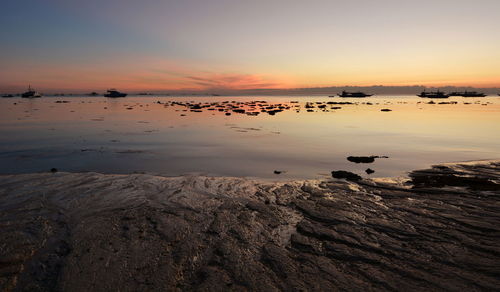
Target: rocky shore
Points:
(438, 229)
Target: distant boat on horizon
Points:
(7, 95)
(468, 94)
(354, 94)
(31, 93)
(114, 93)
(433, 94)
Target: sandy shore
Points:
(437, 230)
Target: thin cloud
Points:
(233, 81)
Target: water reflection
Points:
(304, 137)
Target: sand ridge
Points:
(139, 232)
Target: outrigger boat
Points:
(354, 94)
(468, 94)
(31, 93)
(114, 93)
(433, 94)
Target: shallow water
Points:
(138, 134)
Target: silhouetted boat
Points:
(115, 93)
(93, 93)
(31, 93)
(433, 94)
(468, 94)
(7, 95)
(354, 94)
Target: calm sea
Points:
(152, 135)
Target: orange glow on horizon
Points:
(147, 74)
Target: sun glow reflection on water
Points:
(137, 134)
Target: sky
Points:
(144, 45)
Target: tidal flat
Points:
(435, 230)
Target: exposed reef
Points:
(436, 230)
(364, 159)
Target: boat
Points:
(468, 94)
(354, 94)
(114, 93)
(433, 94)
(7, 95)
(473, 94)
(93, 93)
(31, 93)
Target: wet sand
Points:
(434, 230)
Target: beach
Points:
(250, 146)
(435, 230)
(249, 194)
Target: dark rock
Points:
(364, 159)
(277, 172)
(369, 171)
(386, 110)
(361, 159)
(442, 176)
(53, 170)
(346, 175)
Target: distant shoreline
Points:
(377, 89)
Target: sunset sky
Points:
(232, 44)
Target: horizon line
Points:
(216, 90)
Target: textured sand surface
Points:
(439, 230)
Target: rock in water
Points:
(362, 159)
(346, 175)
